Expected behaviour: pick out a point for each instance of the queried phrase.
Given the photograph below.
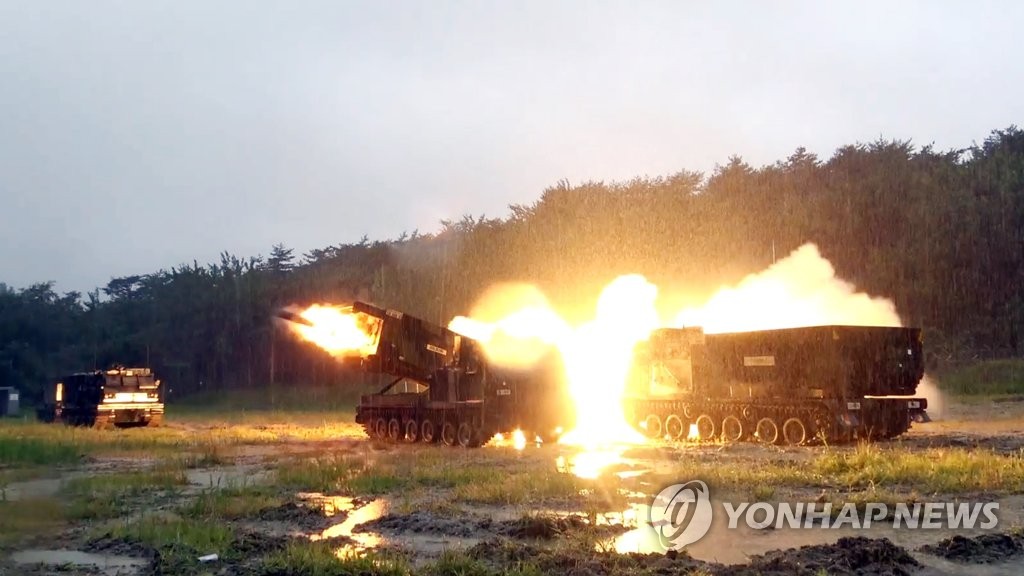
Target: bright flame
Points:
(694, 433)
(598, 356)
(518, 439)
(338, 330)
(802, 289)
(517, 326)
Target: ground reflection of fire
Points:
(361, 540)
(589, 464)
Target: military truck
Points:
(786, 386)
(443, 389)
(121, 397)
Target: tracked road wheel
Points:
(380, 428)
(412, 431)
(794, 432)
(767, 431)
(674, 427)
(448, 434)
(468, 438)
(705, 427)
(394, 430)
(428, 433)
(732, 429)
(653, 425)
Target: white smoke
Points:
(929, 390)
(802, 289)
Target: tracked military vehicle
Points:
(443, 389)
(787, 386)
(121, 397)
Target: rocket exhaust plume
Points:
(339, 330)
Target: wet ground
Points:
(556, 536)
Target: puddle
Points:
(112, 565)
(361, 541)
(424, 545)
(329, 505)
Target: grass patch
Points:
(860, 499)
(320, 559)
(23, 518)
(35, 443)
(738, 475)
(21, 451)
(230, 503)
(453, 563)
(930, 471)
(867, 466)
(520, 487)
(987, 378)
(50, 444)
(112, 495)
(159, 532)
(762, 493)
(208, 456)
(329, 474)
(474, 476)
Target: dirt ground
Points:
(423, 520)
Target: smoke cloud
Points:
(802, 289)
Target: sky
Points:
(136, 136)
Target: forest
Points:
(941, 233)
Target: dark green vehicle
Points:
(785, 386)
(121, 397)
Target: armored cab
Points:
(789, 385)
(122, 397)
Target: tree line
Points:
(939, 232)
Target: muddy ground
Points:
(419, 522)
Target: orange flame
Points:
(597, 356)
(799, 290)
(338, 330)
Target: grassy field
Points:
(986, 378)
(133, 485)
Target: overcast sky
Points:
(139, 135)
